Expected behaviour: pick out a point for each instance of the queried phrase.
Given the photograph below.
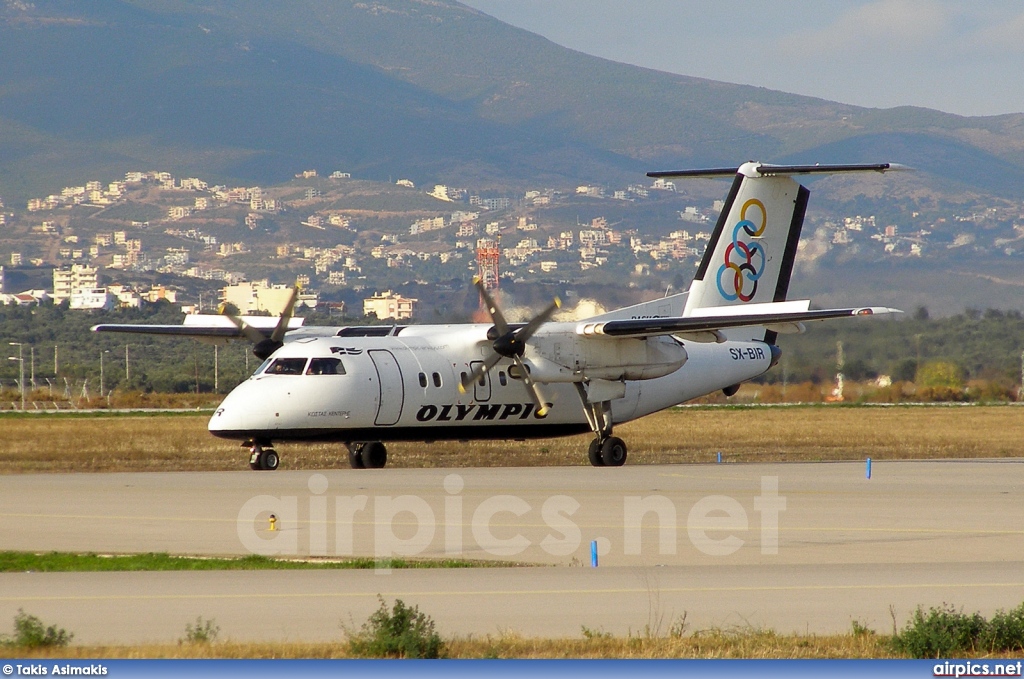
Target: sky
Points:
(958, 56)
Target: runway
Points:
(791, 547)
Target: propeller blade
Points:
(526, 332)
(478, 372)
(282, 324)
(492, 307)
(250, 333)
(531, 387)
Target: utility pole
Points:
(101, 371)
(127, 375)
(32, 363)
(785, 378)
(21, 360)
(917, 341)
(216, 370)
(55, 371)
(1020, 393)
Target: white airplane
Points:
(365, 386)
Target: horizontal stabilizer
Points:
(766, 170)
(711, 324)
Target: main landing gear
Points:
(262, 458)
(363, 455)
(367, 455)
(605, 450)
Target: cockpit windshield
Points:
(286, 366)
(263, 366)
(325, 366)
(298, 366)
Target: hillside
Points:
(255, 90)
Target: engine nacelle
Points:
(571, 358)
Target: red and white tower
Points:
(488, 254)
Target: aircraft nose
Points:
(227, 420)
(238, 416)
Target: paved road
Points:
(795, 547)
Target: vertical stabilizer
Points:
(750, 255)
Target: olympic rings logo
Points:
(744, 261)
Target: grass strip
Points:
(66, 562)
(105, 413)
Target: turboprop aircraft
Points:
(366, 386)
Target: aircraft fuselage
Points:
(406, 388)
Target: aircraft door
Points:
(390, 385)
(481, 392)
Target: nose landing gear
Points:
(262, 458)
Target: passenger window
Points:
(437, 379)
(286, 366)
(515, 373)
(325, 366)
(502, 378)
(423, 380)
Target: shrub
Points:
(859, 629)
(942, 632)
(203, 632)
(29, 632)
(402, 632)
(941, 394)
(1006, 631)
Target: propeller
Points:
(510, 344)
(263, 346)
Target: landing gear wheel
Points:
(261, 458)
(613, 452)
(374, 455)
(355, 456)
(594, 453)
(269, 460)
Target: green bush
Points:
(402, 632)
(29, 632)
(945, 632)
(203, 632)
(1006, 631)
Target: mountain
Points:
(255, 90)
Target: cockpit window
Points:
(286, 366)
(325, 366)
(263, 366)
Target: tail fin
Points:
(749, 257)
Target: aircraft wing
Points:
(202, 326)
(782, 317)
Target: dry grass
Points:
(712, 644)
(758, 434)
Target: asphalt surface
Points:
(791, 547)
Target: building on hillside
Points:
(154, 295)
(260, 296)
(127, 297)
(389, 305)
(92, 298)
(68, 281)
(19, 299)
